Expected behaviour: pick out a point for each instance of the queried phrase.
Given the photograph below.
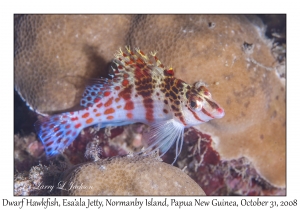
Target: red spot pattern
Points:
(49, 143)
(58, 134)
(148, 103)
(110, 117)
(89, 121)
(129, 105)
(85, 115)
(125, 82)
(109, 102)
(99, 105)
(109, 111)
(106, 93)
(138, 73)
(74, 118)
(126, 93)
(143, 83)
(149, 116)
(78, 125)
(47, 139)
(129, 115)
(96, 100)
(56, 118)
(44, 135)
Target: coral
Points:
(244, 71)
(54, 56)
(129, 175)
(231, 55)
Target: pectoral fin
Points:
(162, 135)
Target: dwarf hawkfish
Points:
(141, 90)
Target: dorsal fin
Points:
(129, 61)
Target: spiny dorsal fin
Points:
(129, 66)
(129, 61)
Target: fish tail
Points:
(58, 132)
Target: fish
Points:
(141, 90)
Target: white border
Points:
(153, 6)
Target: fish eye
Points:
(195, 104)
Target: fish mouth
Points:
(218, 113)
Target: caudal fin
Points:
(57, 132)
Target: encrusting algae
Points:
(229, 53)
